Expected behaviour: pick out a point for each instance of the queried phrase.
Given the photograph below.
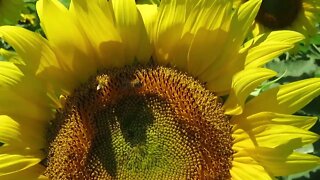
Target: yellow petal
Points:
(245, 18)
(231, 60)
(248, 134)
(9, 130)
(132, 31)
(281, 163)
(209, 15)
(275, 135)
(208, 22)
(221, 84)
(201, 53)
(15, 104)
(268, 46)
(241, 138)
(286, 99)
(22, 91)
(10, 74)
(75, 55)
(263, 118)
(21, 134)
(187, 32)
(245, 167)
(97, 21)
(15, 160)
(243, 83)
(39, 58)
(149, 14)
(169, 26)
(31, 47)
(52, 15)
(31, 173)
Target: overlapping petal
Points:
(149, 14)
(132, 31)
(268, 135)
(116, 40)
(281, 162)
(167, 31)
(245, 167)
(9, 130)
(285, 99)
(31, 47)
(30, 173)
(231, 60)
(74, 55)
(13, 160)
(15, 132)
(103, 34)
(263, 118)
(265, 47)
(10, 74)
(243, 84)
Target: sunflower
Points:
(10, 11)
(298, 15)
(136, 94)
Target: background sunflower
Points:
(298, 15)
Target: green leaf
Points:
(294, 68)
(66, 3)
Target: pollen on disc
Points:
(140, 122)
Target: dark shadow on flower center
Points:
(134, 117)
(101, 148)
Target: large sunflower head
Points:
(297, 15)
(120, 93)
(10, 11)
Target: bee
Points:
(102, 83)
(130, 84)
(136, 83)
